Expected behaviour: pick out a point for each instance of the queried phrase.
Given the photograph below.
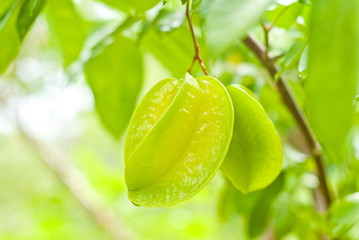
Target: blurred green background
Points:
(62, 169)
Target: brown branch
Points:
(289, 101)
(76, 184)
(197, 50)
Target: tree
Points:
(259, 95)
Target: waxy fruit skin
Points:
(177, 139)
(255, 157)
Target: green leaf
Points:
(71, 38)
(260, 214)
(303, 61)
(28, 13)
(258, 219)
(115, 75)
(292, 57)
(15, 22)
(227, 205)
(344, 215)
(5, 5)
(177, 139)
(195, 5)
(173, 4)
(305, 2)
(285, 16)
(226, 21)
(139, 6)
(255, 206)
(255, 157)
(333, 72)
(124, 6)
(9, 36)
(172, 49)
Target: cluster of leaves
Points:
(113, 55)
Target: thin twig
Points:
(197, 50)
(289, 101)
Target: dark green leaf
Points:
(259, 216)
(9, 36)
(28, 13)
(232, 201)
(306, 2)
(115, 75)
(333, 72)
(15, 22)
(256, 206)
(227, 205)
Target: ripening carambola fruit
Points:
(177, 139)
(254, 158)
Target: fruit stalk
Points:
(197, 49)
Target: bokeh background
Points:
(62, 174)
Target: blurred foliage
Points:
(61, 62)
(219, 13)
(333, 132)
(115, 99)
(70, 39)
(15, 21)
